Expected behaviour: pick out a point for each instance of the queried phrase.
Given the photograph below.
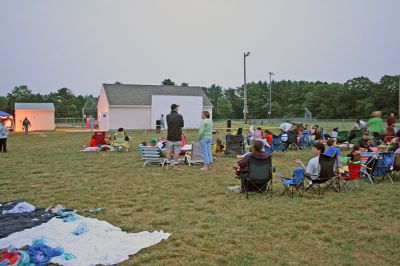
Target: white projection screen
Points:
(190, 107)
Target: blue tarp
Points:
(4, 114)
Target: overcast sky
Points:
(81, 44)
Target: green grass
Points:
(209, 224)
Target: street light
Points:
(245, 109)
(270, 93)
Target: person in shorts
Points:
(175, 124)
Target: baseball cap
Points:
(173, 106)
(153, 140)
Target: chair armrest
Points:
(282, 176)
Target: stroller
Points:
(234, 145)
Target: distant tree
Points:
(184, 84)
(21, 94)
(168, 82)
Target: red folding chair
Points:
(349, 181)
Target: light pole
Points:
(245, 109)
(270, 93)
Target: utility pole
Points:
(245, 108)
(270, 93)
(399, 98)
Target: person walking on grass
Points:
(26, 125)
(3, 136)
(205, 139)
(175, 124)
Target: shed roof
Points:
(34, 106)
(124, 94)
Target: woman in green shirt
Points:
(205, 139)
(375, 125)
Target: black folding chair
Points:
(259, 177)
(328, 177)
(234, 145)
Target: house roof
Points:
(123, 94)
(34, 106)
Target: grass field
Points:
(209, 224)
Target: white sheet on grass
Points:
(102, 244)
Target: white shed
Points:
(139, 106)
(41, 116)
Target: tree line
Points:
(355, 98)
(66, 103)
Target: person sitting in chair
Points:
(365, 142)
(312, 169)
(355, 153)
(332, 149)
(257, 151)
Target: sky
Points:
(47, 44)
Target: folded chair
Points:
(195, 156)
(349, 181)
(295, 184)
(328, 177)
(259, 177)
(152, 156)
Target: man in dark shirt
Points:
(174, 138)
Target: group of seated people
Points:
(119, 140)
(312, 168)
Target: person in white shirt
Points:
(313, 168)
(285, 127)
(3, 136)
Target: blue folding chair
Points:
(383, 166)
(277, 144)
(294, 184)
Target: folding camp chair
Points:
(383, 166)
(277, 144)
(291, 143)
(342, 136)
(152, 156)
(195, 156)
(100, 138)
(349, 181)
(396, 165)
(305, 139)
(295, 184)
(328, 177)
(357, 135)
(259, 177)
(234, 145)
(368, 161)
